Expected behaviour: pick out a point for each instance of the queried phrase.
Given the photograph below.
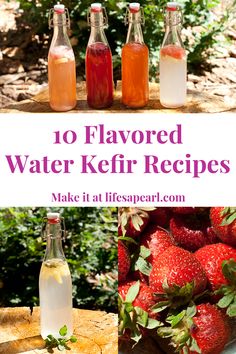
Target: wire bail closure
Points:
(175, 20)
(97, 22)
(63, 229)
(64, 22)
(130, 17)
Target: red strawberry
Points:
(177, 267)
(211, 258)
(132, 221)
(144, 299)
(212, 330)
(123, 261)
(157, 240)
(223, 221)
(135, 310)
(190, 231)
(160, 216)
(198, 329)
(184, 210)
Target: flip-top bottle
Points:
(55, 288)
(61, 62)
(99, 74)
(134, 61)
(173, 61)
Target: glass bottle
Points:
(134, 61)
(99, 72)
(55, 287)
(61, 62)
(173, 60)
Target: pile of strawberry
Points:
(177, 276)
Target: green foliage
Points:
(60, 343)
(90, 249)
(198, 16)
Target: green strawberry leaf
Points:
(191, 310)
(63, 331)
(231, 311)
(137, 222)
(225, 301)
(160, 306)
(174, 320)
(132, 292)
(165, 332)
(151, 324)
(229, 270)
(136, 336)
(225, 211)
(143, 266)
(128, 239)
(142, 316)
(194, 346)
(144, 252)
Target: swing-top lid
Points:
(59, 8)
(53, 217)
(134, 7)
(172, 6)
(96, 7)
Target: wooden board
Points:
(197, 102)
(19, 332)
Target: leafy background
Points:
(201, 27)
(90, 249)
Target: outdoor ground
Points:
(23, 64)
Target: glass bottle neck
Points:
(172, 33)
(60, 36)
(135, 34)
(54, 242)
(97, 34)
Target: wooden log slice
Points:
(197, 102)
(96, 332)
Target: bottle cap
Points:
(96, 7)
(53, 218)
(134, 7)
(59, 9)
(172, 6)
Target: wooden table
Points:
(197, 102)
(19, 332)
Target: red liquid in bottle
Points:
(99, 77)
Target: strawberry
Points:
(184, 210)
(178, 275)
(132, 221)
(144, 298)
(223, 221)
(123, 261)
(191, 231)
(211, 258)
(135, 310)
(198, 329)
(160, 216)
(157, 240)
(219, 263)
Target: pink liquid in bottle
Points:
(99, 75)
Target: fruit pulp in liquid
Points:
(55, 291)
(62, 78)
(135, 85)
(99, 76)
(173, 76)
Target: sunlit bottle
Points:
(55, 288)
(173, 61)
(134, 61)
(99, 72)
(61, 62)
